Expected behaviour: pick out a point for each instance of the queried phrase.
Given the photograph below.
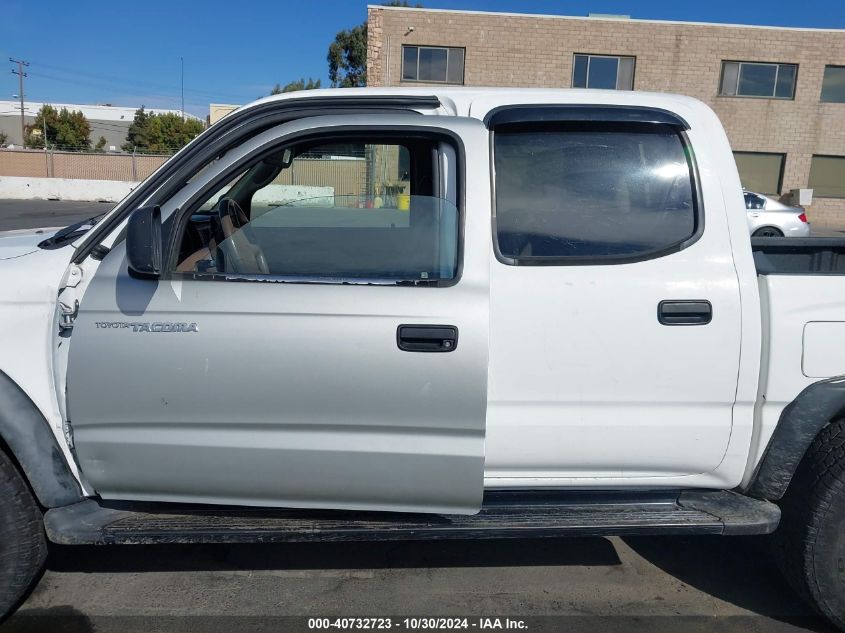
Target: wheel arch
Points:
(774, 227)
(26, 436)
(799, 424)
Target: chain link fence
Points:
(86, 165)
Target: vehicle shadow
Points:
(63, 619)
(739, 570)
(340, 555)
(736, 570)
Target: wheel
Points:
(23, 547)
(767, 231)
(810, 541)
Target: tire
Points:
(23, 546)
(810, 541)
(767, 231)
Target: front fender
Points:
(28, 436)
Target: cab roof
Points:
(476, 102)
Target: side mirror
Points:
(143, 242)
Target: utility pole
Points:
(182, 60)
(21, 74)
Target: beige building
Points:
(780, 92)
(217, 111)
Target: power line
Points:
(95, 84)
(182, 61)
(169, 102)
(104, 79)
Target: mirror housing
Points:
(143, 242)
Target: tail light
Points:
(803, 218)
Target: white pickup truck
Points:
(427, 313)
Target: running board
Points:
(503, 515)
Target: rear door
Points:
(329, 350)
(615, 342)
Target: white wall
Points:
(17, 188)
(21, 188)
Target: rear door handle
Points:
(684, 312)
(427, 338)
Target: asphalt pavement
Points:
(638, 584)
(665, 584)
(27, 214)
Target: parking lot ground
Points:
(824, 231)
(644, 584)
(669, 584)
(28, 214)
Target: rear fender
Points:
(800, 422)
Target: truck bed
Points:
(802, 304)
(799, 256)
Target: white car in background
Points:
(768, 217)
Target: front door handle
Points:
(684, 312)
(427, 338)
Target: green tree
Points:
(299, 84)
(347, 58)
(101, 143)
(169, 131)
(163, 133)
(4, 138)
(65, 129)
(137, 134)
(347, 55)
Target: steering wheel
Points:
(235, 252)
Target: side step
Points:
(503, 515)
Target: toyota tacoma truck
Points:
(424, 314)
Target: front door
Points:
(319, 336)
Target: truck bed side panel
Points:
(804, 327)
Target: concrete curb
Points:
(17, 188)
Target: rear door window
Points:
(753, 201)
(591, 193)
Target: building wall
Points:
(537, 51)
(217, 111)
(113, 131)
(112, 122)
(10, 125)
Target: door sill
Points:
(503, 515)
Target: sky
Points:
(128, 53)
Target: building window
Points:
(827, 176)
(760, 172)
(434, 64)
(753, 79)
(833, 85)
(603, 71)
